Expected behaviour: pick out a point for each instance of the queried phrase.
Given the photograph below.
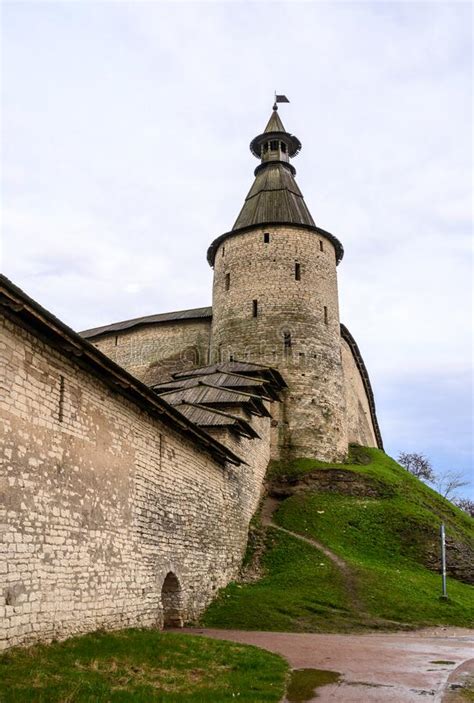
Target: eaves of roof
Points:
(160, 318)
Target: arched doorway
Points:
(171, 600)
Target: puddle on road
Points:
(304, 682)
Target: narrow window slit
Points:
(287, 340)
(227, 281)
(61, 399)
(297, 271)
(266, 238)
(255, 308)
(325, 315)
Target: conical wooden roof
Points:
(274, 198)
(274, 123)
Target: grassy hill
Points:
(368, 557)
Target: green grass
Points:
(141, 666)
(384, 540)
(301, 591)
(467, 693)
(390, 479)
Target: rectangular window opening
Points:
(223, 251)
(287, 340)
(325, 315)
(266, 238)
(297, 271)
(116, 340)
(274, 145)
(254, 308)
(227, 281)
(283, 147)
(321, 246)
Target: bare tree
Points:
(448, 483)
(466, 504)
(418, 465)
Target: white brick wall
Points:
(99, 507)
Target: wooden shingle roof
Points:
(215, 396)
(206, 418)
(160, 318)
(210, 396)
(222, 380)
(274, 197)
(245, 368)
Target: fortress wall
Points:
(153, 352)
(359, 420)
(101, 501)
(312, 421)
(256, 453)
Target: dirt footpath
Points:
(403, 667)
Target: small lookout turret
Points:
(275, 144)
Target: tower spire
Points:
(274, 197)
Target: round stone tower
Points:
(275, 301)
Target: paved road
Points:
(375, 668)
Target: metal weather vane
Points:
(279, 99)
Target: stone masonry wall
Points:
(257, 452)
(359, 419)
(100, 501)
(152, 353)
(312, 420)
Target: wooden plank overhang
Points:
(20, 308)
(211, 418)
(223, 380)
(209, 395)
(244, 368)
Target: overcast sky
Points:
(125, 132)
